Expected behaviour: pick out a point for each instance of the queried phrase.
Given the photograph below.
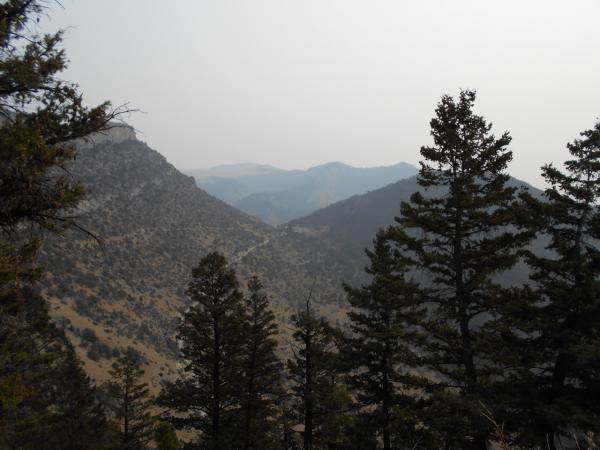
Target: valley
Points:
(126, 287)
(277, 196)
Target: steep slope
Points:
(154, 224)
(347, 227)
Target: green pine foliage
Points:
(262, 376)
(46, 400)
(459, 240)
(381, 349)
(132, 403)
(320, 397)
(40, 116)
(558, 327)
(454, 361)
(165, 437)
(208, 398)
(79, 419)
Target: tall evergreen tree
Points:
(262, 371)
(561, 324)
(133, 403)
(313, 372)
(40, 115)
(382, 319)
(208, 397)
(457, 237)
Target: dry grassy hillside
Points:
(154, 225)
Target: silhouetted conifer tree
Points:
(313, 371)
(383, 321)
(558, 328)
(132, 402)
(208, 397)
(47, 399)
(262, 372)
(459, 239)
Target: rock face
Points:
(117, 133)
(154, 224)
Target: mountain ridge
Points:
(346, 228)
(155, 224)
(281, 195)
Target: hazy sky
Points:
(299, 83)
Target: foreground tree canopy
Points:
(46, 401)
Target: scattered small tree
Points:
(133, 404)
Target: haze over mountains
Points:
(155, 224)
(278, 196)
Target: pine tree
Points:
(208, 397)
(561, 324)
(165, 437)
(132, 402)
(458, 240)
(289, 439)
(78, 418)
(40, 115)
(262, 371)
(47, 399)
(382, 321)
(313, 372)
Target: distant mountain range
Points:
(278, 196)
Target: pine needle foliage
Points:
(460, 235)
(381, 348)
(559, 327)
(262, 379)
(132, 402)
(208, 396)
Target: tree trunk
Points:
(216, 401)
(250, 400)
(308, 397)
(386, 401)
